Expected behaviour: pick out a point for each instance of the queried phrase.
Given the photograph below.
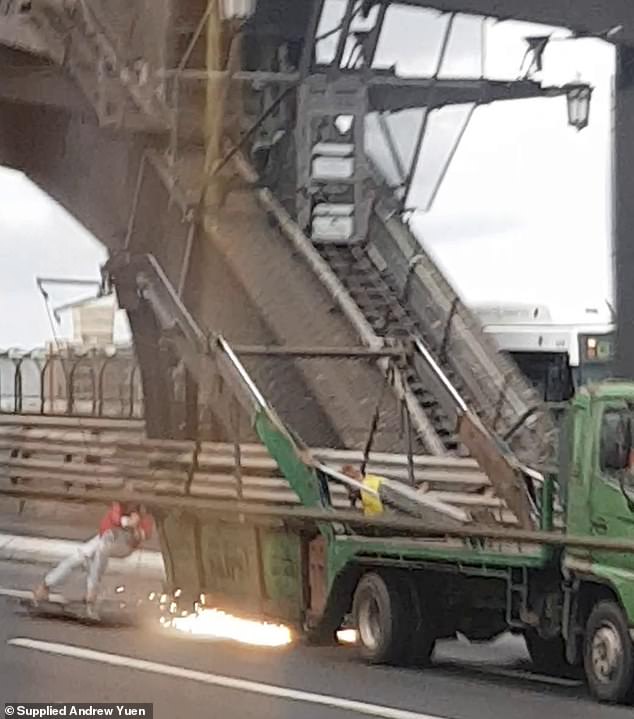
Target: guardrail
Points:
(93, 384)
(93, 456)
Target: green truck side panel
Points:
(283, 574)
(177, 531)
(345, 550)
(253, 568)
(231, 563)
(596, 506)
(281, 447)
(302, 478)
(577, 481)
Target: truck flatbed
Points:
(410, 550)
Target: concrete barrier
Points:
(42, 550)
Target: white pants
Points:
(92, 557)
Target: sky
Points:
(38, 238)
(522, 216)
(524, 213)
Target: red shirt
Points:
(112, 520)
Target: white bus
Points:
(556, 356)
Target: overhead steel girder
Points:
(40, 85)
(613, 19)
(393, 94)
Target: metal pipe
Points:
(449, 160)
(376, 33)
(135, 202)
(483, 47)
(175, 98)
(410, 526)
(435, 367)
(318, 352)
(233, 151)
(237, 450)
(411, 475)
(17, 386)
(308, 51)
(65, 281)
(268, 76)
(423, 128)
(133, 372)
(100, 382)
(189, 244)
(391, 144)
(244, 375)
(345, 480)
(349, 15)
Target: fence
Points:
(94, 384)
(12, 7)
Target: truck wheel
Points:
(609, 654)
(378, 615)
(548, 655)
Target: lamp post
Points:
(578, 99)
(578, 94)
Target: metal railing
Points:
(94, 384)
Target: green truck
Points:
(562, 576)
(572, 599)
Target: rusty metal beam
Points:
(390, 92)
(41, 85)
(401, 93)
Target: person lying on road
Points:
(122, 531)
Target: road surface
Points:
(53, 661)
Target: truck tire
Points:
(609, 654)
(380, 619)
(548, 655)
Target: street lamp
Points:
(578, 98)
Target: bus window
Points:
(548, 372)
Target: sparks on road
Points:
(217, 624)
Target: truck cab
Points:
(572, 599)
(596, 483)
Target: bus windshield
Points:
(553, 375)
(549, 372)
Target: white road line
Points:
(245, 685)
